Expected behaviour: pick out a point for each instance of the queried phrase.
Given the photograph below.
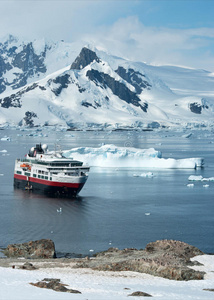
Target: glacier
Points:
(111, 156)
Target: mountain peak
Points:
(9, 39)
(85, 57)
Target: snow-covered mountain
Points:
(82, 87)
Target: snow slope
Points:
(98, 90)
(96, 285)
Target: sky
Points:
(159, 32)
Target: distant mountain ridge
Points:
(50, 84)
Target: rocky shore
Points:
(165, 258)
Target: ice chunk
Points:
(117, 157)
(149, 175)
(208, 179)
(190, 185)
(206, 185)
(195, 178)
(200, 178)
(6, 138)
(3, 151)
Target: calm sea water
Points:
(114, 209)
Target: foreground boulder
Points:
(140, 294)
(54, 284)
(166, 258)
(44, 248)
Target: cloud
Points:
(129, 38)
(100, 23)
(36, 19)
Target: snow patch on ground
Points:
(96, 285)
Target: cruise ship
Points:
(50, 173)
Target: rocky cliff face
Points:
(118, 88)
(135, 78)
(22, 59)
(85, 57)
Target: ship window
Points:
(39, 171)
(46, 173)
(34, 175)
(27, 174)
(50, 178)
(46, 177)
(18, 172)
(39, 176)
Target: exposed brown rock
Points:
(166, 258)
(54, 284)
(44, 248)
(142, 294)
(28, 266)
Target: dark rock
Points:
(176, 248)
(85, 57)
(118, 88)
(87, 104)
(197, 108)
(14, 99)
(54, 284)
(27, 266)
(28, 119)
(142, 294)
(209, 290)
(27, 60)
(42, 88)
(24, 58)
(63, 82)
(135, 78)
(34, 249)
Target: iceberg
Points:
(190, 185)
(200, 178)
(109, 156)
(195, 178)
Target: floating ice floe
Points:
(190, 185)
(113, 156)
(195, 178)
(6, 138)
(148, 175)
(199, 178)
(3, 151)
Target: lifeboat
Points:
(25, 166)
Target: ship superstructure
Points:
(50, 172)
